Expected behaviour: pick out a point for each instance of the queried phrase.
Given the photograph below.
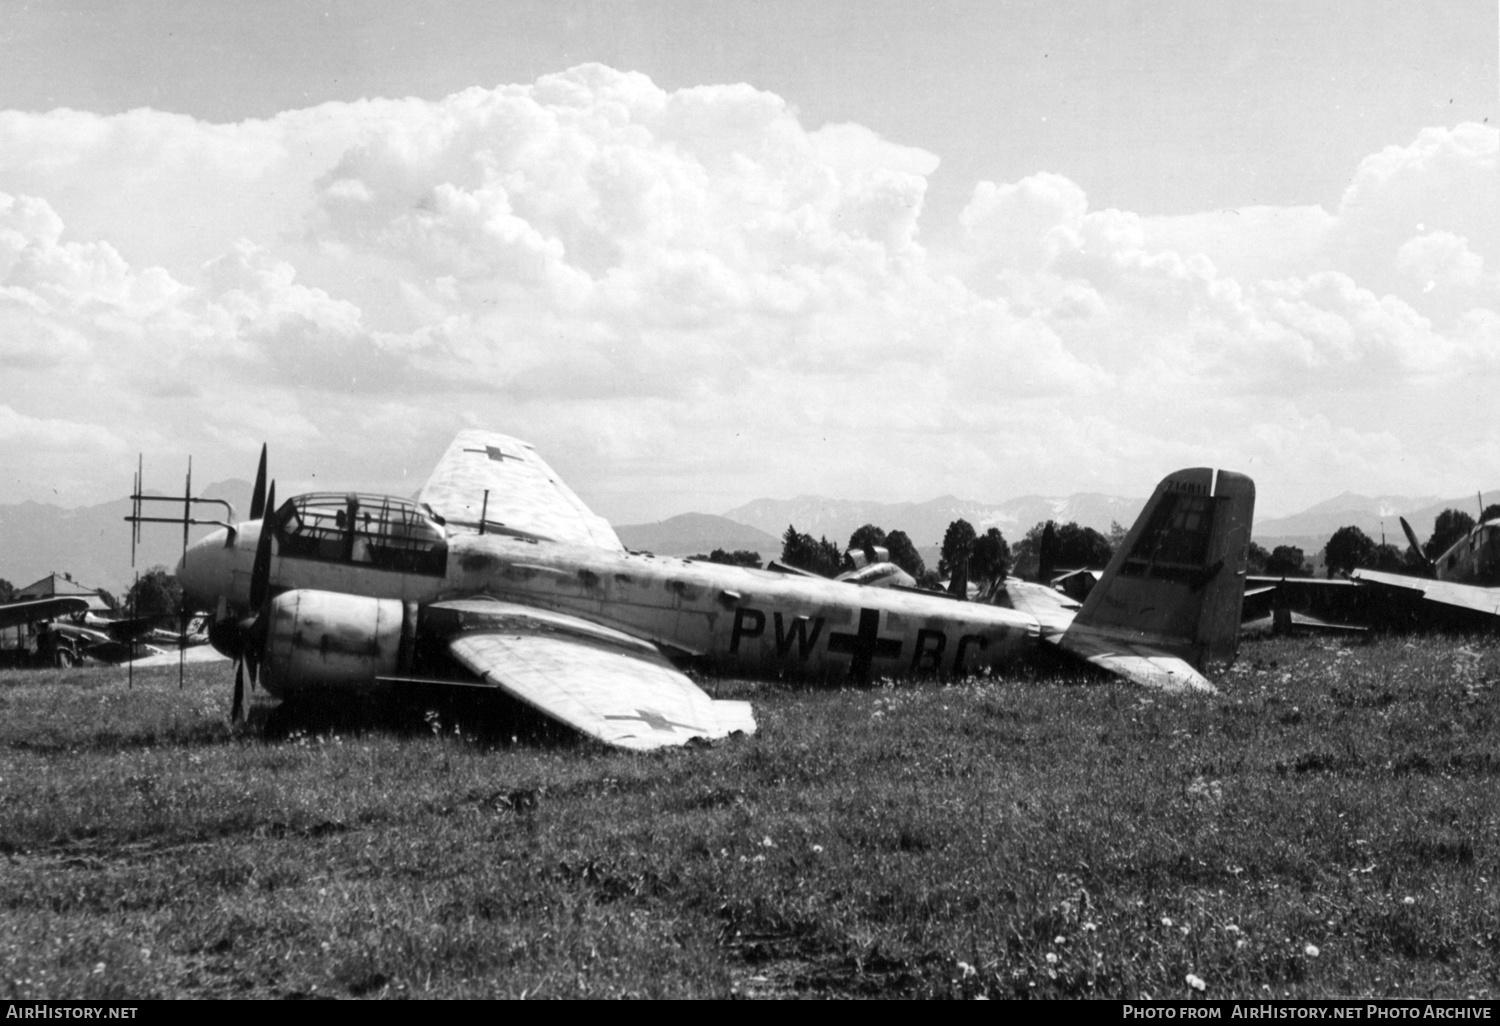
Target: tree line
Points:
(983, 560)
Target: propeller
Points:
(253, 630)
(1416, 547)
(243, 638)
(258, 496)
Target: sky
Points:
(701, 253)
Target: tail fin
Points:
(1175, 585)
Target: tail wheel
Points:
(64, 659)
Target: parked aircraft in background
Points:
(497, 575)
(872, 567)
(1461, 589)
(1465, 580)
(15, 614)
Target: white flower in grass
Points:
(1196, 982)
(1311, 951)
(1052, 958)
(1166, 921)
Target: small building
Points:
(56, 585)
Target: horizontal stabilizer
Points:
(1137, 663)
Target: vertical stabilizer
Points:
(1175, 584)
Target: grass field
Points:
(1328, 826)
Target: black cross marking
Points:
(494, 453)
(655, 720)
(864, 646)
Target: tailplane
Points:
(1172, 592)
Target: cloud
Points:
(690, 295)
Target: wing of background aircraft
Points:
(1470, 598)
(599, 681)
(491, 483)
(32, 610)
(1048, 606)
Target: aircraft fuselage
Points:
(734, 619)
(1473, 559)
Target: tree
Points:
(1348, 548)
(820, 557)
(1256, 558)
(958, 547)
(109, 600)
(157, 593)
(1491, 512)
(1388, 557)
(1287, 560)
(1117, 535)
(1449, 527)
(1025, 555)
(1046, 552)
(1079, 546)
(7, 590)
(740, 557)
(904, 554)
(866, 537)
(989, 562)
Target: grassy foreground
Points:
(1328, 826)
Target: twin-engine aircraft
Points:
(497, 575)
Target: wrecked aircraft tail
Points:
(1176, 583)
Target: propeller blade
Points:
(1416, 547)
(258, 496)
(260, 573)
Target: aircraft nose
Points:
(203, 570)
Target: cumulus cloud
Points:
(690, 297)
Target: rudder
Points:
(1176, 583)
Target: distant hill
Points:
(93, 542)
(1367, 513)
(689, 534)
(926, 522)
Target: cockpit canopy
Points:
(376, 530)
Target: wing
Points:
(604, 683)
(1048, 606)
(502, 483)
(40, 609)
(1450, 594)
(1136, 662)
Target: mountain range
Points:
(93, 543)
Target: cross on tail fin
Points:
(1174, 586)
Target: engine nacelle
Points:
(319, 639)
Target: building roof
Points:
(55, 584)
